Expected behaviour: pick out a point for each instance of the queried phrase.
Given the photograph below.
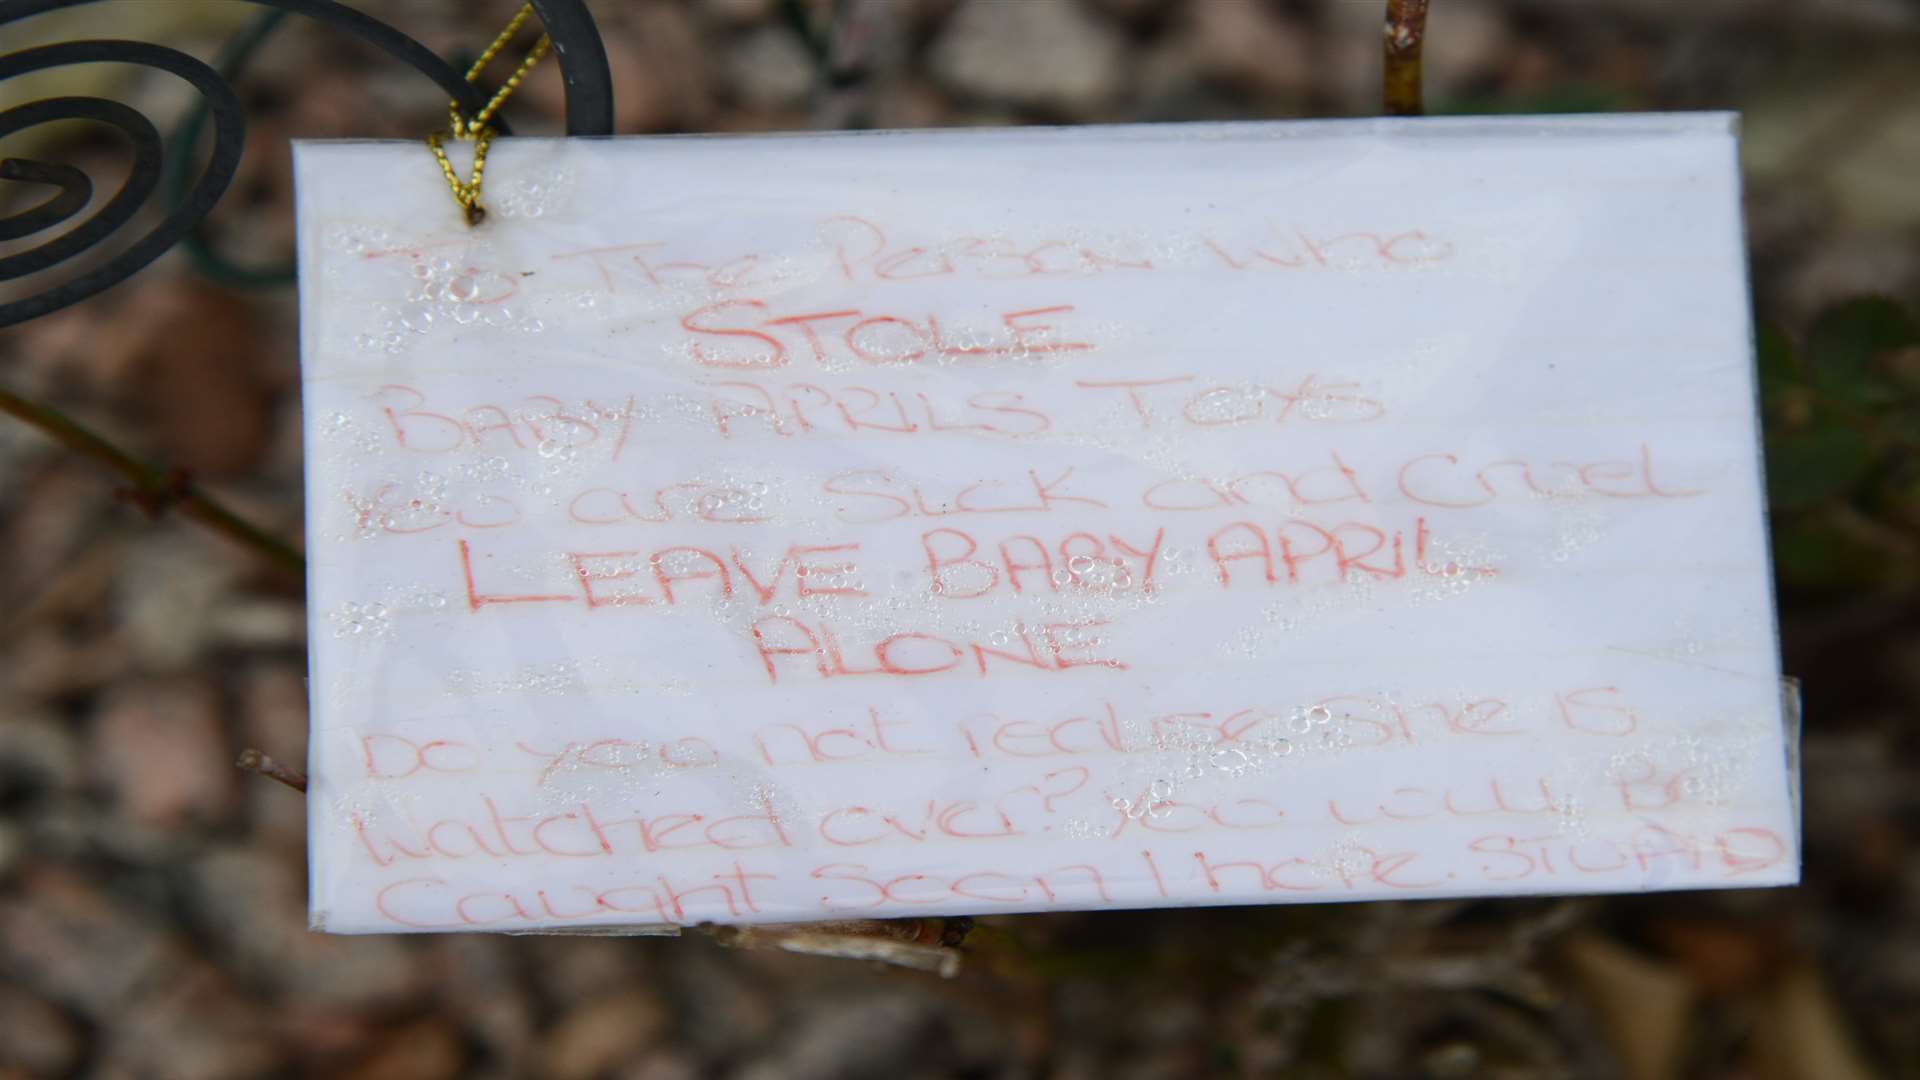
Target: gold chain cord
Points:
(478, 129)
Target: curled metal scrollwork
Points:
(576, 43)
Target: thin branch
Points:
(153, 489)
(256, 762)
(930, 945)
(1406, 32)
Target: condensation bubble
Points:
(354, 619)
(417, 318)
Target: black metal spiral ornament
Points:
(576, 44)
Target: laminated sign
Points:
(791, 528)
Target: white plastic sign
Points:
(791, 528)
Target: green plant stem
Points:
(153, 489)
(178, 173)
(1405, 34)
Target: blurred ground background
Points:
(152, 916)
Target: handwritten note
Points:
(791, 528)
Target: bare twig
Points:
(153, 489)
(1406, 32)
(929, 945)
(1389, 951)
(256, 762)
